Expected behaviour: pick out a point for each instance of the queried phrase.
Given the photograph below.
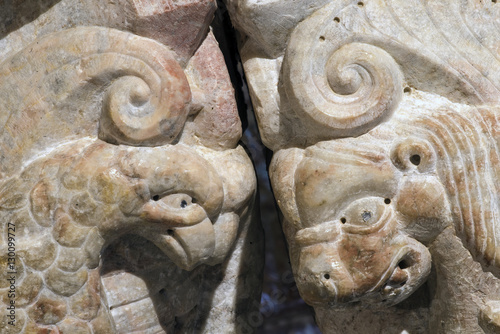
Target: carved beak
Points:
(188, 246)
(186, 195)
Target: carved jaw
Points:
(183, 231)
(180, 228)
(359, 267)
(405, 273)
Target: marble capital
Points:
(126, 200)
(383, 119)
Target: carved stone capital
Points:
(383, 117)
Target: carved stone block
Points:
(383, 119)
(125, 199)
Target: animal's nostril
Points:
(156, 197)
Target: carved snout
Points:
(321, 276)
(373, 277)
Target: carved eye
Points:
(175, 200)
(414, 153)
(364, 215)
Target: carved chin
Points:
(187, 246)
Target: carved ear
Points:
(345, 68)
(134, 92)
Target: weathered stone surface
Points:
(383, 119)
(120, 161)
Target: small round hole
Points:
(407, 90)
(327, 276)
(415, 159)
(170, 232)
(494, 1)
(336, 19)
(343, 220)
(361, 4)
(322, 38)
(403, 264)
(183, 204)
(156, 197)
(387, 201)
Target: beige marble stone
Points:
(125, 198)
(383, 119)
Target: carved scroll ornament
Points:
(101, 138)
(383, 118)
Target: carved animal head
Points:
(170, 195)
(355, 243)
(363, 210)
(153, 170)
(369, 167)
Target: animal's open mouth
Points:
(408, 271)
(187, 246)
(180, 227)
(395, 285)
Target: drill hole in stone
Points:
(170, 232)
(336, 19)
(156, 197)
(403, 264)
(183, 204)
(415, 159)
(343, 220)
(366, 216)
(361, 4)
(407, 90)
(326, 276)
(322, 38)
(387, 201)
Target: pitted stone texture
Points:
(182, 25)
(262, 22)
